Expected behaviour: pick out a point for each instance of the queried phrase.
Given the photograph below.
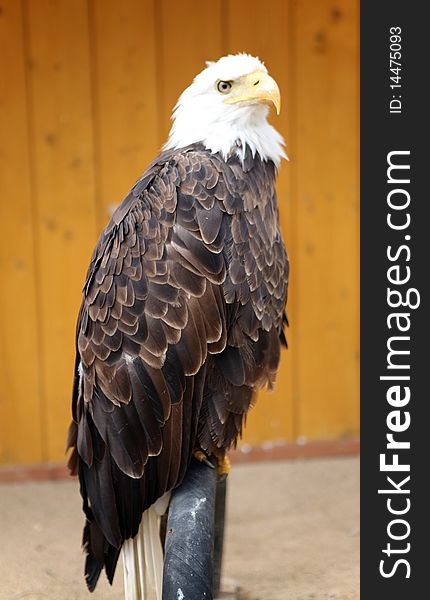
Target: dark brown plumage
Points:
(181, 321)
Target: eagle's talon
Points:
(201, 457)
(224, 466)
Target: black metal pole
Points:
(220, 502)
(189, 546)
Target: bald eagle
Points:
(182, 316)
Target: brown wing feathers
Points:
(181, 319)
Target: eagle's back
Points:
(180, 323)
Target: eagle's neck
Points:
(227, 132)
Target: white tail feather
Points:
(142, 557)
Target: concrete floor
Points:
(292, 534)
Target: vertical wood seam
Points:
(29, 104)
(95, 125)
(295, 281)
(357, 166)
(159, 67)
(225, 26)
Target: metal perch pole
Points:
(191, 566)
(221, 493)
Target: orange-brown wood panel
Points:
(265, 33)
(58, 41)
(20, 422)
(326, 258)
(124, 82)
(188, 34)
(81, 122)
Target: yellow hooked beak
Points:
(256, 88)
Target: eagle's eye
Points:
(224, 86)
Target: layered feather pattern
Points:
(181, 321)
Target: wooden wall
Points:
(86, 90)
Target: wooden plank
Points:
(106, 92)
(64, 192)
(188, 34)
(265, 33)
(20, 423)
(327, 249)
(125, 90)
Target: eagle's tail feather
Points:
(143, 560)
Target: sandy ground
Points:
(292, 534)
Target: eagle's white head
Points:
(226, 109)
